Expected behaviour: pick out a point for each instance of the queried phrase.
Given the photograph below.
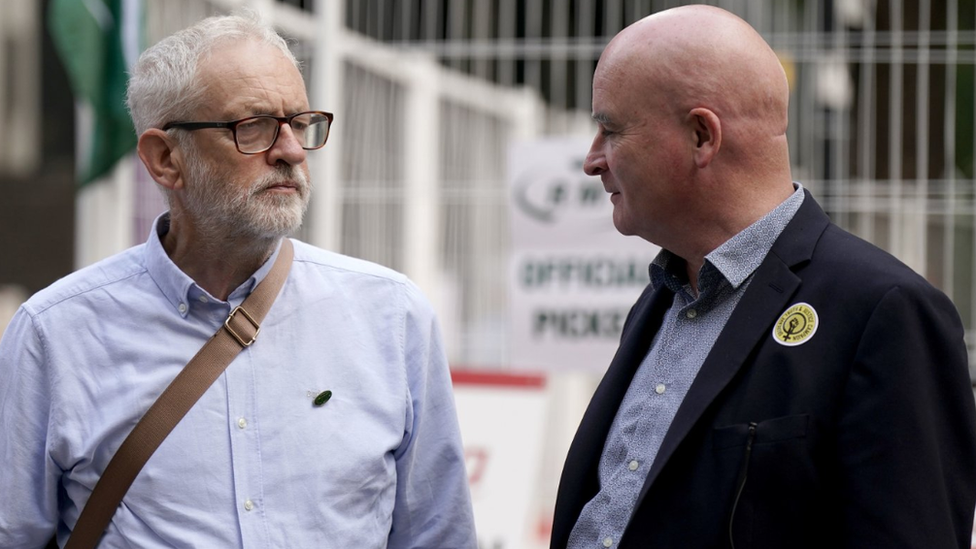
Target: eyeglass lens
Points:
(258, 134)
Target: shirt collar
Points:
(178, 288)
(736, 259)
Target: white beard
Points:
(223, 207)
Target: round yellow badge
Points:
(796, 325)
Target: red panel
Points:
(498, 379)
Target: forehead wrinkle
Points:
(618, 94)
(248, 78)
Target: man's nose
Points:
(595, 163)
(287, 148)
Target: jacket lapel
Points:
(773, 285)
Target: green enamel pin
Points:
(322, 398)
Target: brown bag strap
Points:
(239, 331)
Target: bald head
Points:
(692, 105)
(702, 56)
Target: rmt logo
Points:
(548, 195)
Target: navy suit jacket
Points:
(863, 435)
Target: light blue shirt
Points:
(687, 334)
(254, 463)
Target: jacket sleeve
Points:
(433, 504)
(906, 440)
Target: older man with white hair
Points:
(335, 428)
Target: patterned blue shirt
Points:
(687, 334)
(254, 463)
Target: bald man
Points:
(780, 383)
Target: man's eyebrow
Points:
(602, 118)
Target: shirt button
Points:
(242, 423)
(633, 465)
(248, 505)
(691, 313)
(203, 299)
(182, 308)
(660, 389)
(607, 542)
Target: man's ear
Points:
(162, 158)
(707, 129)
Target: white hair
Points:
(164, 83)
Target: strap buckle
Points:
(235, 335)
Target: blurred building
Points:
(430, 94)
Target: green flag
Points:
(95, 39)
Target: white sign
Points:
(502, 420)
(572, 276)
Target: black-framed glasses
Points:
(257, 134)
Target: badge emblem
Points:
(796, 325)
